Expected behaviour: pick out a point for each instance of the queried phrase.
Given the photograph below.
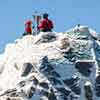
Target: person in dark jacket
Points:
(46, 24)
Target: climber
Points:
(28, 28)
(46, 25)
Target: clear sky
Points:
(65, 14)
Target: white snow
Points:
(26, 50)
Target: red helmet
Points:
(29, 22)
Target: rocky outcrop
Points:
(50, 66)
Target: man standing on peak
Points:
(46, 25)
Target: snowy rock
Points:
(49, 66)
(88, 91)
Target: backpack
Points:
(48, 25)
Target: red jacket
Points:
(28, 27)
(45, 24)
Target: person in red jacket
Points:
(28, 27)
(46, 24)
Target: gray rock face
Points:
(73, 84)
(88, 91)
(26, 69)
(84, 67)
(97, 86)
(50, 67)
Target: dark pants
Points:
(46, 30)
(27, 34)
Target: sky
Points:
(64, 13)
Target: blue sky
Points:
(65, 14)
